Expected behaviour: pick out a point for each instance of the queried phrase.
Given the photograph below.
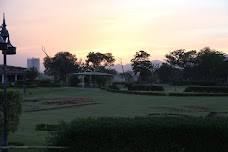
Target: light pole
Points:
(7, 49)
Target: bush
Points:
(119, 83)
(48, 83)
(145, 88)
(114, 87)
(101, 80)
(143, 134)
(46, 127)
(208, 89)
(14, 99)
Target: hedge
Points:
(157, 93)
(143, 134)
(209, 89)
(199, 83)
(145, 88)
(196, 94)
(14, 99)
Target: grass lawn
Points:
(110, 104)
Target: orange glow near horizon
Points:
(120, 27)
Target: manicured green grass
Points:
(111, 105)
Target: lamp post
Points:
(7, 49)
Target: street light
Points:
(7, 49)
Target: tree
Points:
(31, 73)
(181, 59)
(205, 66)
(95, 61)
(141, 64)
(123, 72)
(129, 76)
(60, 65)
(185, 61)
(164, 73)
(208, 61)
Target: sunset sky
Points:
(121, 27)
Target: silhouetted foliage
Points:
(207, 65)
(164, 73)
(61, 64)
(142, 65)
(98, 61)
(31, 73)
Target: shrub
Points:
(45, 81)
(214, 89)
(143, 134)
(114, 87)
(101, 80)
(48, 83)
(14, 99)
(145, 88)
(74, 81)
(46, 127)
(119, 83)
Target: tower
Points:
(33, 62)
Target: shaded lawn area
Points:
(110, 105)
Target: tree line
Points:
(207, 65)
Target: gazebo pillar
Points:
(83, 81)
(15, 77)
(2, 78)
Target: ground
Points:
(108, 104)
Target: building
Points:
(33, 62)
(13, 73)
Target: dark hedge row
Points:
(165, 94)
(145, 88)
(143, 134)
(208, 89)
(199, 83)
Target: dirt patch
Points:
(196, 108)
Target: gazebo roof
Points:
(91, 73)
(12, 69)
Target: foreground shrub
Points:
(14, 99)
(143, 134)
(214, 89)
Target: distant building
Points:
(33, 62)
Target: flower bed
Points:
(62, 101)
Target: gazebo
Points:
(82, 76)
(14, 73)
